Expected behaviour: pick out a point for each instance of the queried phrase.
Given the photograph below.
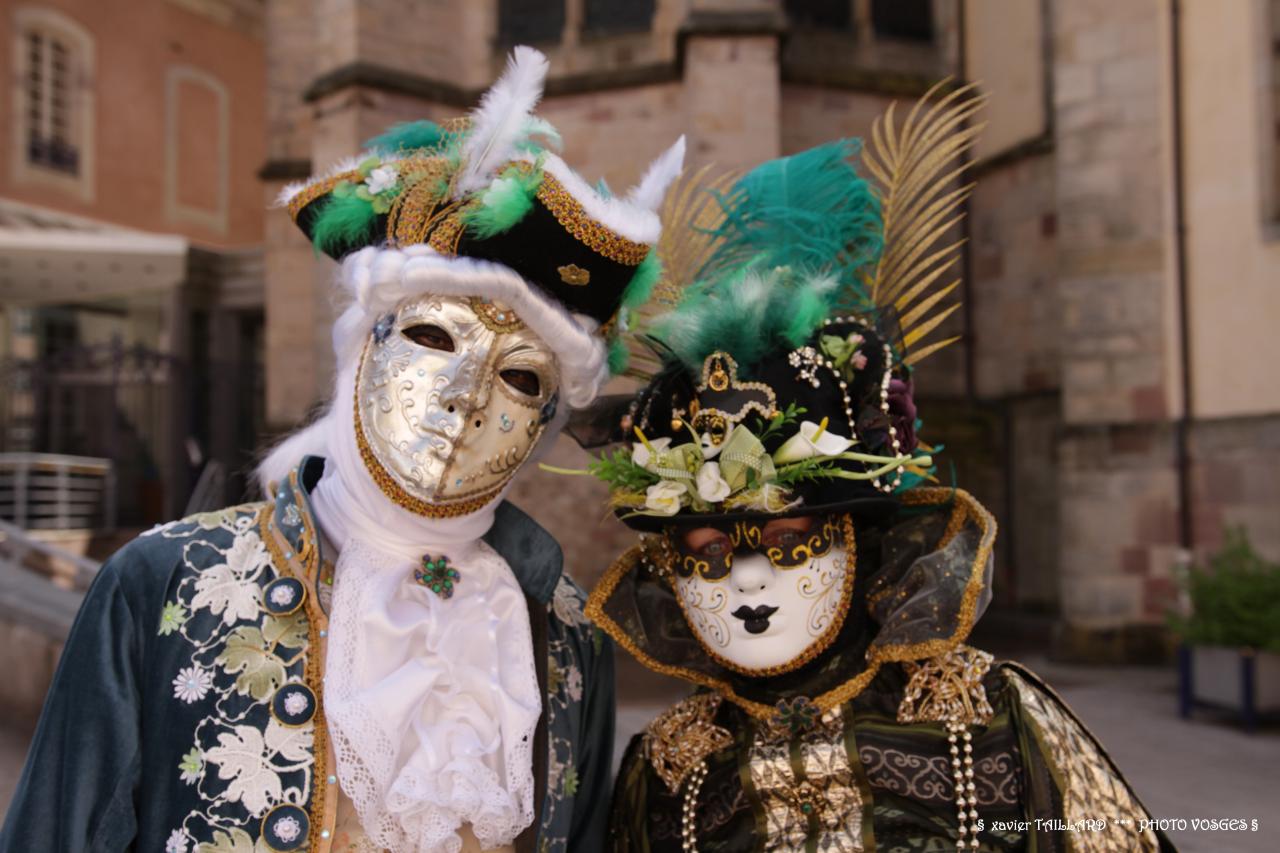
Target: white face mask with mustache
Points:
(762, 618)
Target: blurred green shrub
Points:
(1235, 600)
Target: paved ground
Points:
(1206, 768)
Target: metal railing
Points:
(53, 491)
(20, 550)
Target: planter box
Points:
(1218, 676)
(1237, 680)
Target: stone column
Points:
(1112, 110)
(732, 82)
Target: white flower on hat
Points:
(642, 456)
(665, 498)
(712, 486)
(812, 440)
(381, 179)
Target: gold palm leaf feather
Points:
(916, 166)
(691, 213)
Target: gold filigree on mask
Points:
(496, 318)
(818, 543)
(749, 535)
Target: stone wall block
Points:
(1104, 601)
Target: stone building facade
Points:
(1110, 398)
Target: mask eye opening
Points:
(430, 336)
(524, 381)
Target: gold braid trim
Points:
(311, 192)
(570, 213)
(301, 566)
(630, 560)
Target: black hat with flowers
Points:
(798, 298)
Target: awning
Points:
(47, 256)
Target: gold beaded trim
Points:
(570, 213)
(447, 234)
(396, 493)
(419, 206)
(495, 318)
(311, 192)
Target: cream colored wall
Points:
(1005, 55)
(1233, 255)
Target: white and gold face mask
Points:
(764, 598)
(452, 394)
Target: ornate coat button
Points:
(285, 828)
(283, 596)
(293, 705)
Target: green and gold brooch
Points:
(437, 575)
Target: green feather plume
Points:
(640, 288)
(747, 314)
(343, 221)
(503, 203)
(619, 356)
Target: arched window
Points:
(53, 107)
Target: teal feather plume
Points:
(811, 211)
(408, 136)
(747, 314)
(797, 238)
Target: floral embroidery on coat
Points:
(564, 690)
(242, 762)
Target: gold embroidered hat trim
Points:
(313, 191)
(570, 213)
(965, 508)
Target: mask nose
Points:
(751, 574)
(461, 395)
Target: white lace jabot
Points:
(432, 703)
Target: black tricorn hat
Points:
(490, 187)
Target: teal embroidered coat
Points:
(187, 714)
